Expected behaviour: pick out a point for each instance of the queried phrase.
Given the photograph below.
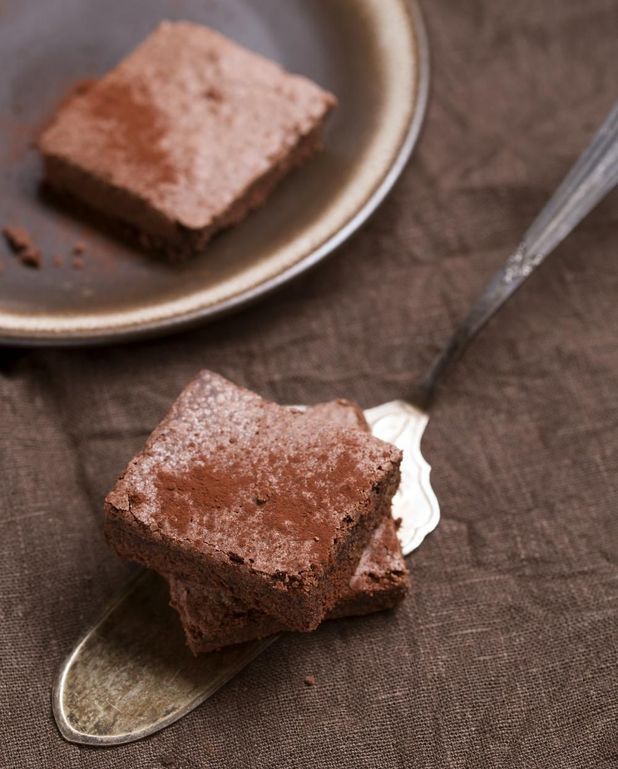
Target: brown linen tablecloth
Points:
(505, 654)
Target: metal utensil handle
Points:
(592, 177)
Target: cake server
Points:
(131, 673)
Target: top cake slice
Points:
(235, 491)
(185, 136)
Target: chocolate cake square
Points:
(253, 499)
(213, 619)
(184, 137)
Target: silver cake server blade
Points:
(131, 673)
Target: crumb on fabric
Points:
(77, 263)
(79, 247)
(310, 680)
(57, 260)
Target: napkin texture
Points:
(505, 653)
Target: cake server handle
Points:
(594, 175)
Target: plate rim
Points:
(166, 326)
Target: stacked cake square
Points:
(262, 518)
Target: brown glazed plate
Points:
(372, 54)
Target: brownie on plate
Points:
(212, 618)
(184, 137)
(253, 499)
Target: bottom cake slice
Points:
(213, 617)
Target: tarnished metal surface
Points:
(415, 502)
(132, 674)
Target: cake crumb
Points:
(79, 247)
(18, 238)
(57, 260)
(310, 680)
(77, 263)
(21, 243)
(31, 257)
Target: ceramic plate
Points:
(372, 54)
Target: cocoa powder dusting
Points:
(137, 128)
(299, 494)
(199, 490)
(280, 494)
